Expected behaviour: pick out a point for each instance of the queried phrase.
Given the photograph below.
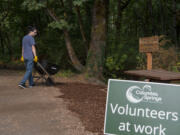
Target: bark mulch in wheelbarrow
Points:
(88, 101)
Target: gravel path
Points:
(34, 111)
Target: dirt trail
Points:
(34, 111)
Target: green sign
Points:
(142, 108)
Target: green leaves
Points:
(59, 25)
(33, 5)
(79, 2)
(113, 63)
(178, 6)
(4, 20)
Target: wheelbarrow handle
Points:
(43, 69)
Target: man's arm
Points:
(34, 50)
(22, 57)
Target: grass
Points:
(65, 73)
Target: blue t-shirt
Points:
(27, 43)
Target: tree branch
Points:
(62, 3)
(52, 14)
(125, 4)
(81, 28)
(72, 55)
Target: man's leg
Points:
(31, 82)
(29, 66)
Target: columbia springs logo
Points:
(136, 94)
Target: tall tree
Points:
(94, 64)
(174, 22)
(122, 5)
(98, 39)
(76, 63)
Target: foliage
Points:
(114, 64)
(59, 25)
(138, 19)
(166, 58)
(79, 2)
(32, 5)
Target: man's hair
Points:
(31, 28)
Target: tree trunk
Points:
(107, 25)
(162, 19)
(178, 26)
(174, 24)
(71, 53)
(2, 43)
(76, 63)
(150, 15)
(120, 8)
(9, 46)
(98, 40)
(148, 19)
(118, 20)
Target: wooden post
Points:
(149, 61)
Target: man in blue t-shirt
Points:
(28, 56)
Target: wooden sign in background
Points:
(149, 44)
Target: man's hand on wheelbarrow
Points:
(22, 59)
(36, 59)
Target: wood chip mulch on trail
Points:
(88, 101)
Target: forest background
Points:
(99, 38)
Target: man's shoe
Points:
(23, 86)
